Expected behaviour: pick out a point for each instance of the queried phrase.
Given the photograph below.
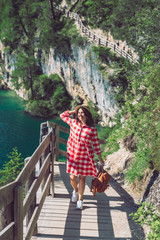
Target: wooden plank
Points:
(52, 125)
(64, 129)
(73, 233)
(33, 190)
(7, 232)
(18, 213)
(26, 171)
(62, 140)
(37, 211)
(72, 224)
(33, 202)
(6, 194)
(63, 153)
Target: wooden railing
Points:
(91, 35)
(22, 200)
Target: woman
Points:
(80, 154)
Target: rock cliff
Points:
(82, 77)
(79, 72)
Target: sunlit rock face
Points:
(78, 70)
(82, 77)
(154, 192)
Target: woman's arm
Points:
(71, 112)
(65, 116)
(96, 145)
(100, 159)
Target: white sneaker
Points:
(79, 204)
(74, 196)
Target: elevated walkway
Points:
(37, 204)
(104, 217)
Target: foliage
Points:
(12, 168)
(97, 13)
(94, 110)
(111, 135)
(51, 96)
(121, 70)
(26, 72)
(75, 37)
(143, 121)
(140, 163)
(136, 22)
(147, 214)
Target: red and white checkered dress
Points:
(80, 153)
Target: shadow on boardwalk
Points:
(104, 217)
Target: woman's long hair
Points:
(88, 115)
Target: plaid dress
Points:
(80, 153)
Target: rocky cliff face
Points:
(154, 191)
(82, 77)
(79, 72)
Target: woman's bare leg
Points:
(73, 180)
(82, 180)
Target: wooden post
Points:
(43, 157)
(52, 147)
(47, 151)
(57, 142)
(99, 41)
(42, 160)
(33, 205)
(18, 212)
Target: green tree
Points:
(26, 72)
(11, 168)
(51, 96)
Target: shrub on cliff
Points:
(149, 216)
(50, 97)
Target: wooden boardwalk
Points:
(104, 217)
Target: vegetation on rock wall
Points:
(50, 96)
(148, 215)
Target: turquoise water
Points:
(18, 129)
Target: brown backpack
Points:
(100, 183)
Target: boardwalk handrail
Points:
(96, 38)
(14, 206)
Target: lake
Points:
(18, 129)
